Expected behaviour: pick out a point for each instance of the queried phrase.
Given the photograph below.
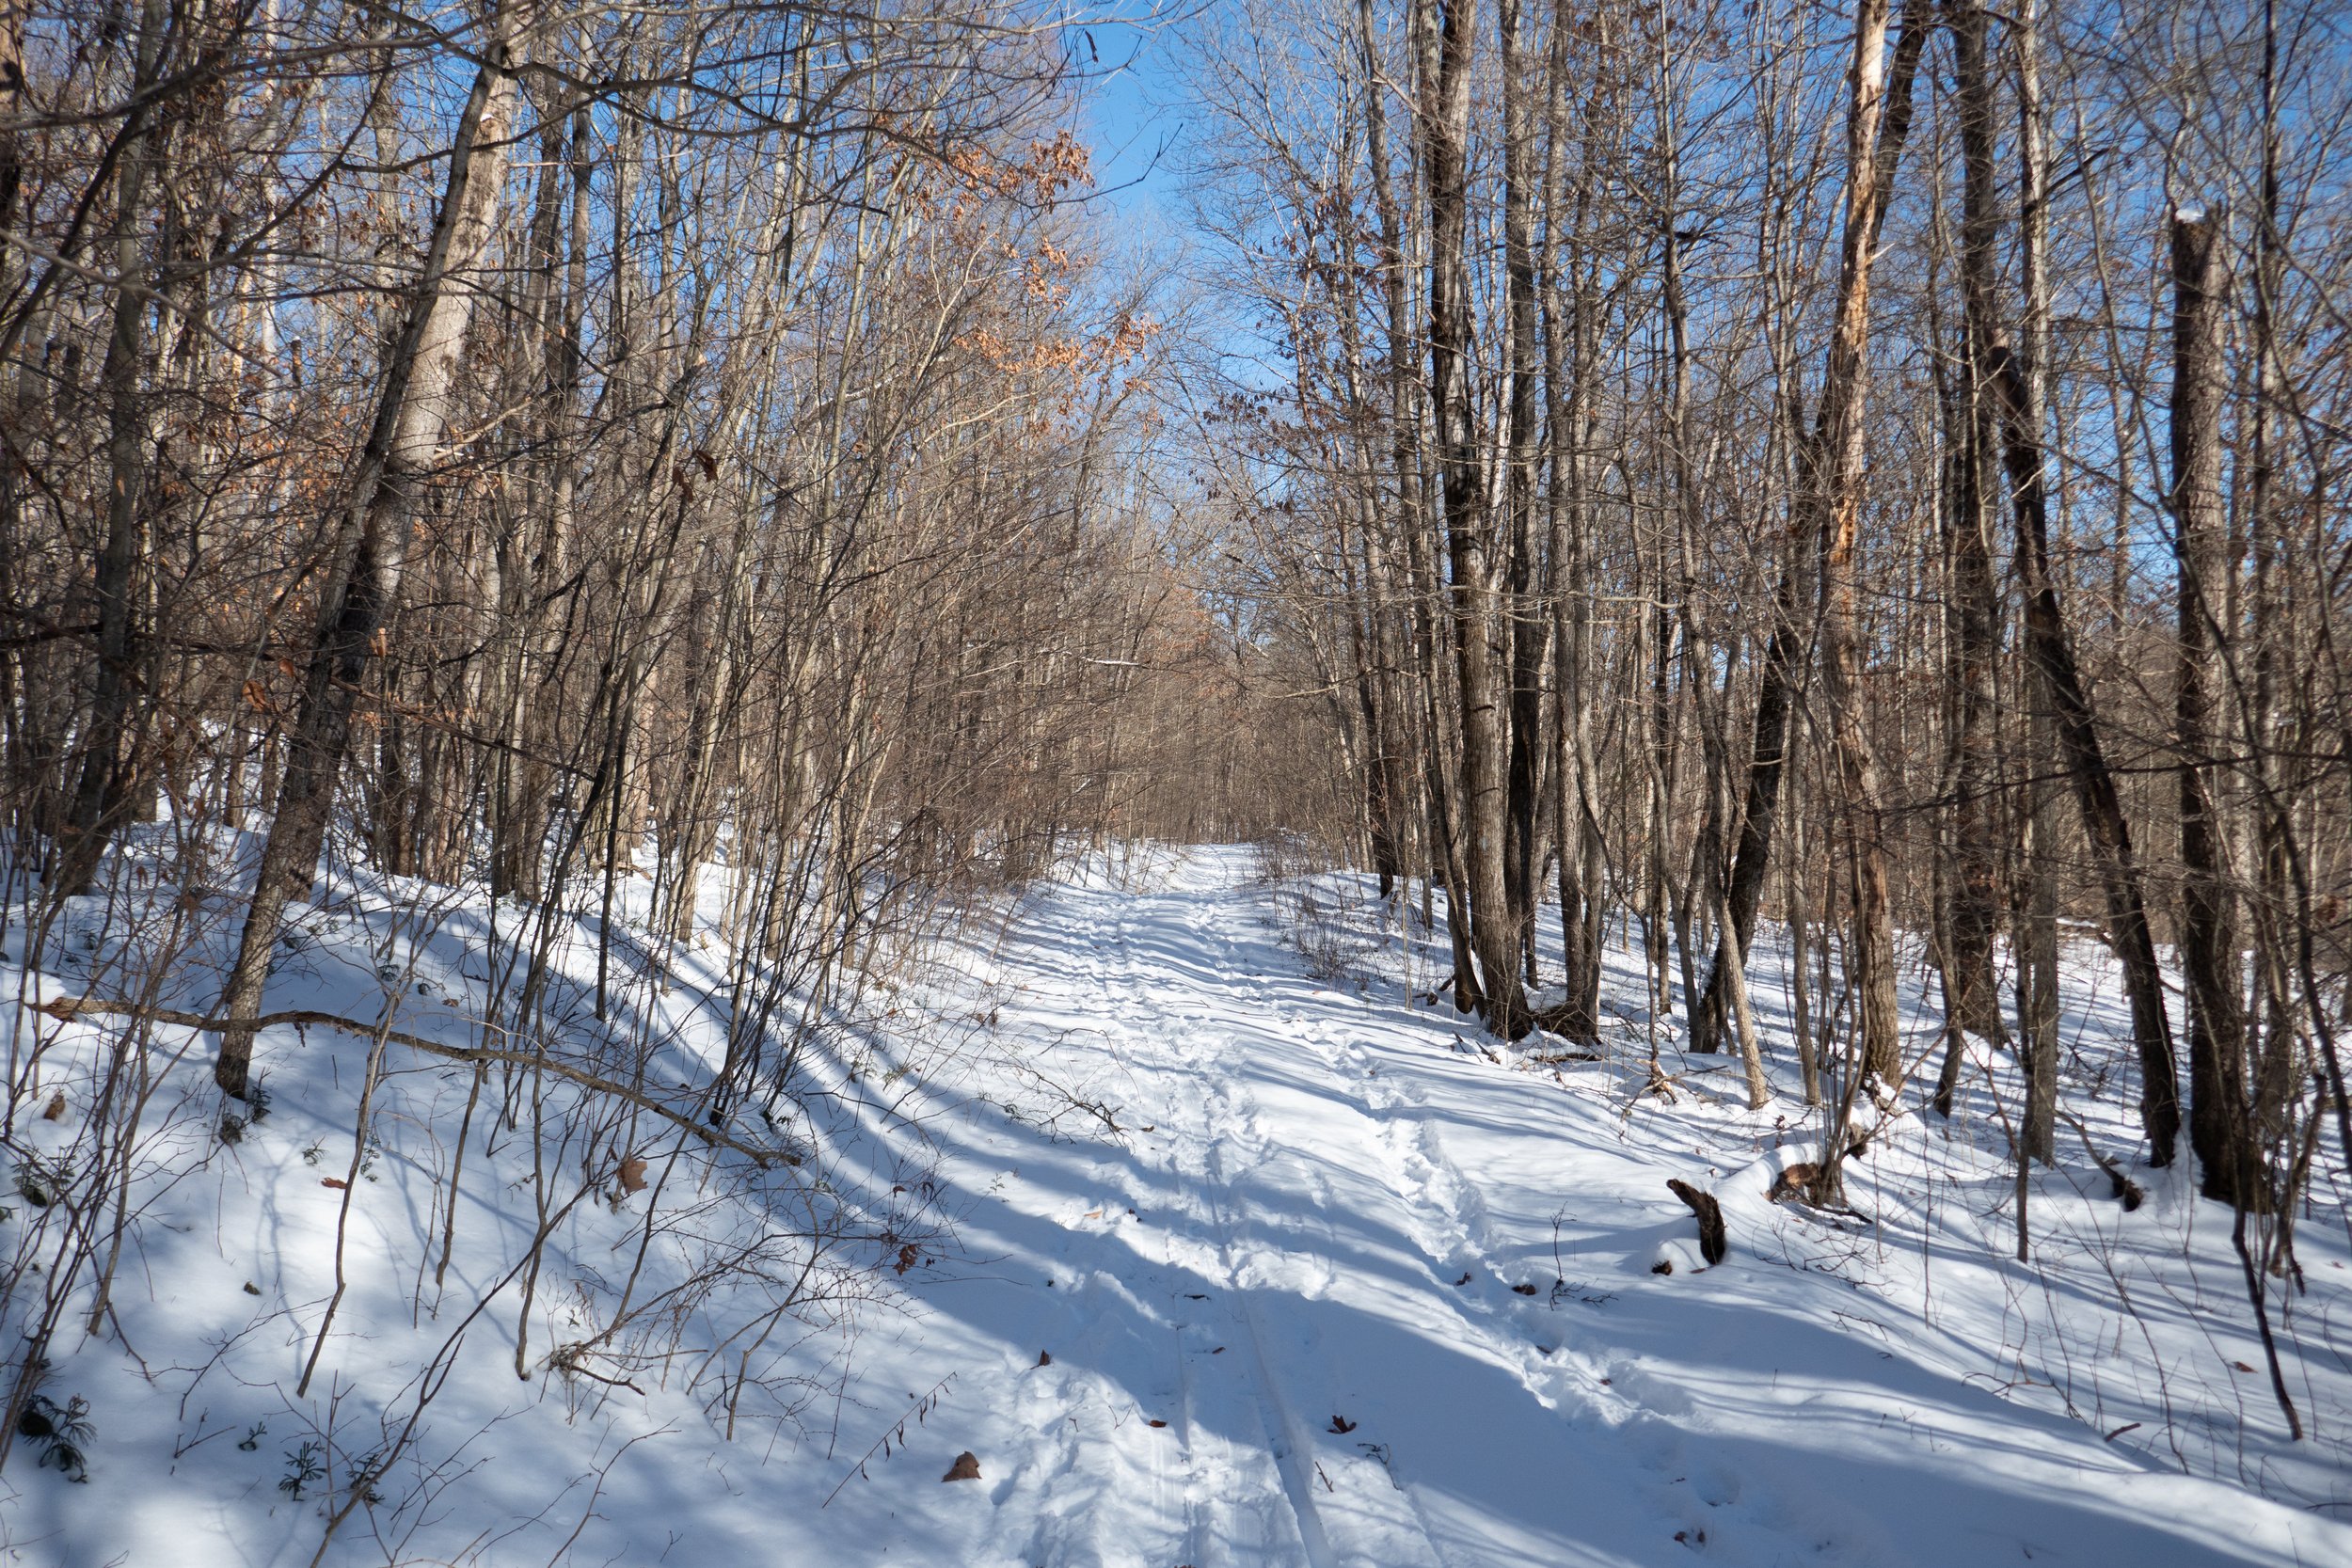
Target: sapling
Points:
(64, 1432)
(306, 1465)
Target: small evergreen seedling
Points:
(63, 1431)
(364, 1476)
(306, 1465)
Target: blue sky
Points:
(1134, 119)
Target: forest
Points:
(681, 684)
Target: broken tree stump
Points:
(1800, 1182)
(1712, 1243)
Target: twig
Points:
(898, 1429)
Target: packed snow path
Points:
(1214, 1244)
(1286, 1318)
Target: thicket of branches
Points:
(1877, 468)
(525, 447)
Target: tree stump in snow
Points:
(1712, 1243)
(1800, 1182)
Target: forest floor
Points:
(1267, 1258)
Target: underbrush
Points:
(2128, 1313)
(518, 1191)
(1318, 912)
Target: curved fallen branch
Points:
(65, 1008)
(2127, 1192)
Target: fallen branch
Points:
(66, 1008)
(572, 1359)
(2127, 1191)
(1663, 1083)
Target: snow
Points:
(1279, 1315)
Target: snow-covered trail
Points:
(1281, 1324)
(1211, 1255)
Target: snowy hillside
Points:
(1208, 1252)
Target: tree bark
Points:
(102, 795)
(1973, 1000)
(2050, 649)
(1528, 631)
(1445, 128)
(1566, 355)
(1878, 121)
(1784, 654)
(402, 446)
(1445, 848)
(2220, 1128)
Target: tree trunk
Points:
(2033, 933)
(402, 446)
(1973, 1000)
(1565, 350)
(1891, 106)
(1485, 798)
(1877, 122)
(2221, 1129)
(2050, 647)
(103, 792)
(1527, 630)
